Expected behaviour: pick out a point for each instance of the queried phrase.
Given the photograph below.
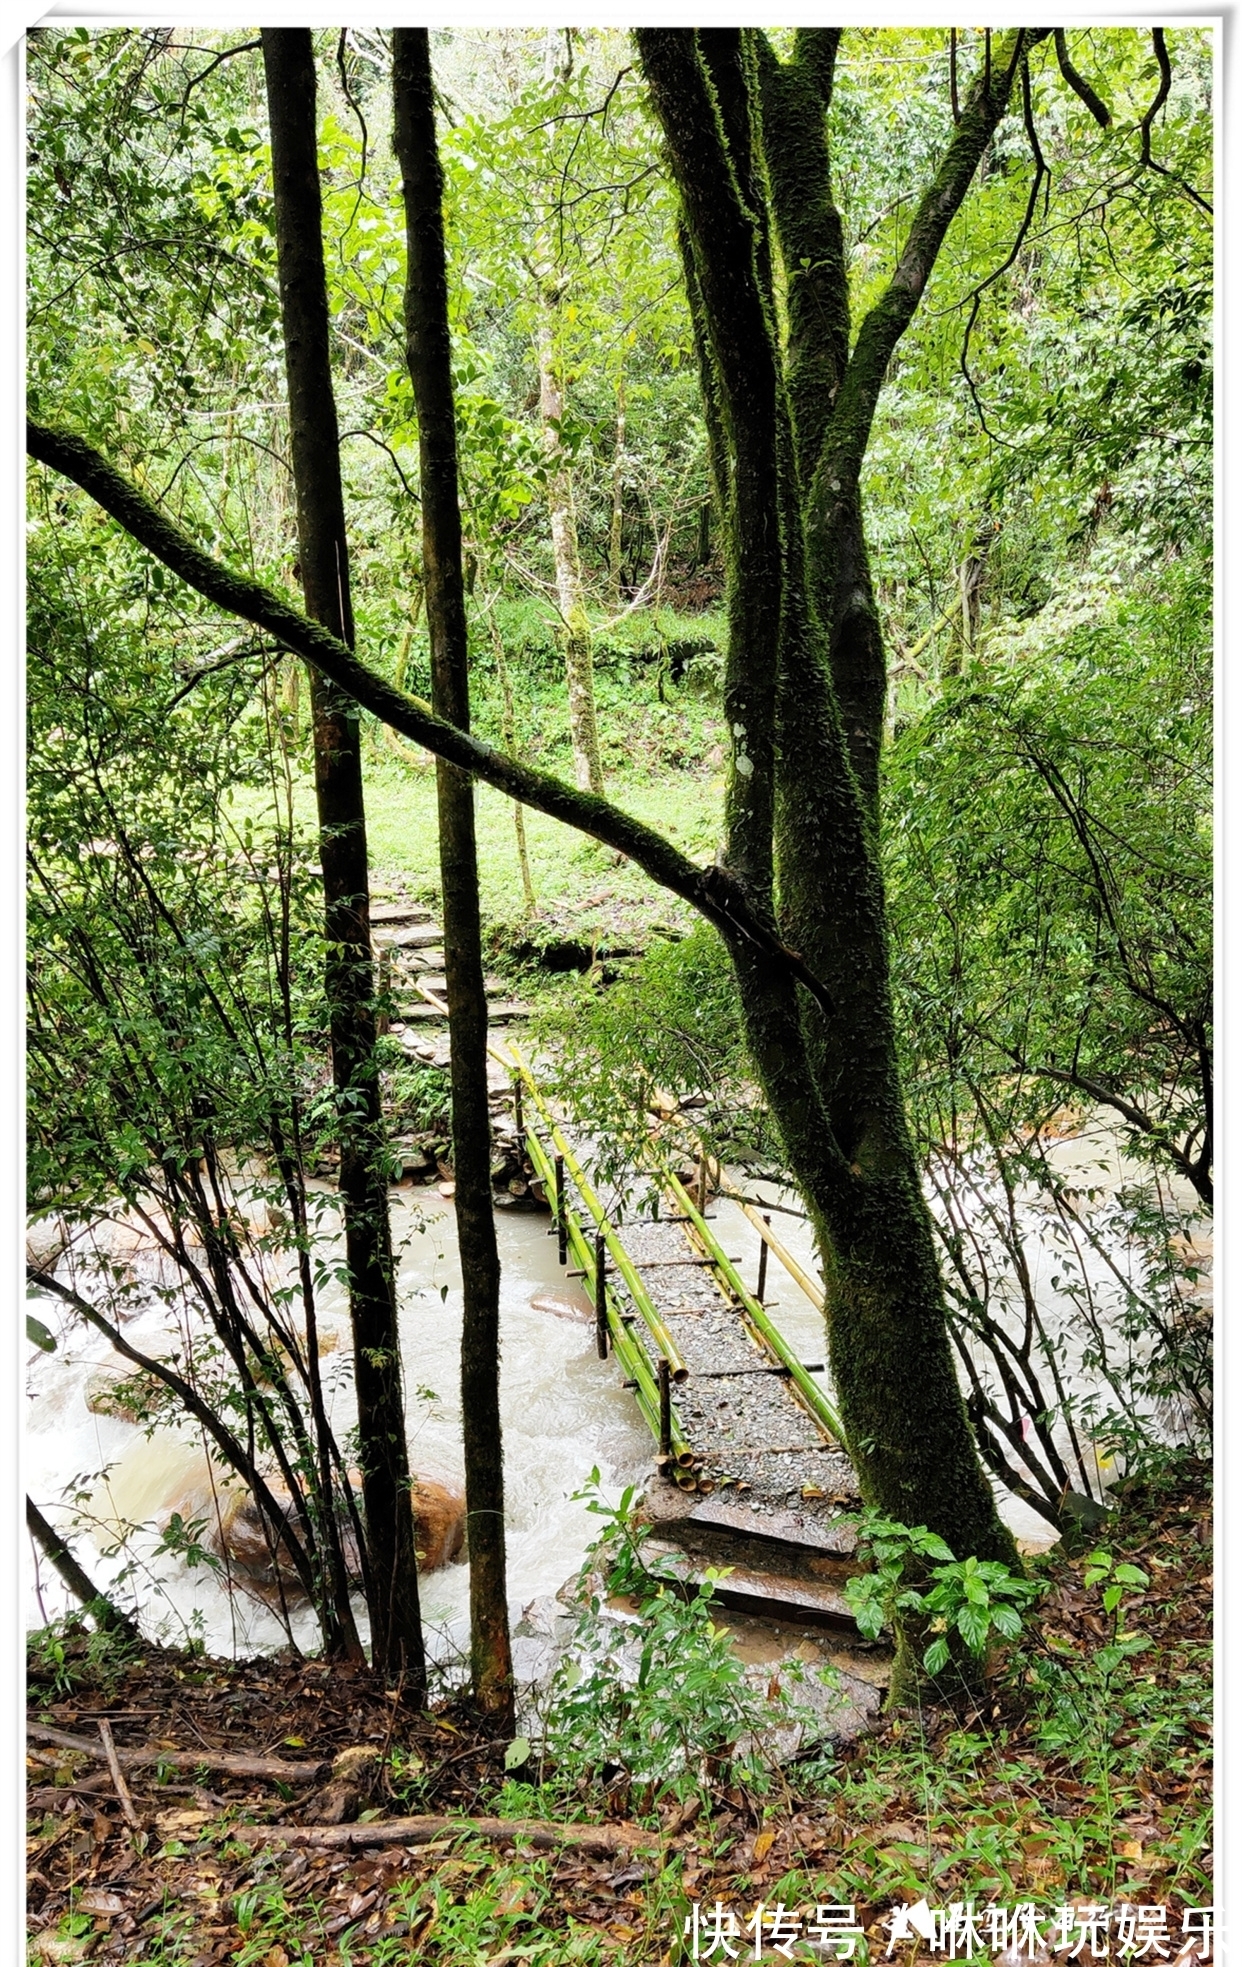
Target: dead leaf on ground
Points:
(96, 1900)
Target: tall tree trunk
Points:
(575, 628)
(428, 356)
(618, 494)
(804, 697)
(391, 1574)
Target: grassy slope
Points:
(662, 747)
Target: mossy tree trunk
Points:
(391, 1574)
(429, 359)
(805, 684)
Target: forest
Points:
(619, 994)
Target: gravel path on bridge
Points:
(753, 1434)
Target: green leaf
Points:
(936, 1658)
(1007, 1620)
(38, 1334)
(517, 1753)
(974, 1627)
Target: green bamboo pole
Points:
(782, 1255)
(813, 1400)
(630, 1355)
(805, 1283)
(616, 1250)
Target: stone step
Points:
(765, 1594)
(388, 913)
(497, 1012)
(419, 935)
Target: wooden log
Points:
(609, 1840)
(260, 1768)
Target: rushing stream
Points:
(564, 1412)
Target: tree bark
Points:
(428, 356)
(805, 690)
(391, 1572)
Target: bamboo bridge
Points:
(749, 1445)
(749, 1448)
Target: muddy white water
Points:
(563, 1412)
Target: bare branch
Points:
(1078, 83)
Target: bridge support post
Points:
(562, 1249)
(763, 1262)
(601, 1303)
(666, 1410)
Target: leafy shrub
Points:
(67, 1655)
(916, 1574)
(663, 1702)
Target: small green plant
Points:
(659, 1703)
(1101, 1568)
(916, 1574)
(68, 1654)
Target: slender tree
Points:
(428, 355)
(392, 1574)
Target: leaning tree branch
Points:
(1145, 157)
(976, 296)
(226, 1441)
(714, 892)
(1079, 83)
(56, 1550)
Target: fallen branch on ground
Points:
(264, 1768)
(118, 1776)
(608, 1839)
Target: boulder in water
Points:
(563, 1304)
(439, 1532)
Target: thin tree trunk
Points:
(396, 1630)
(618, 488)
(428, 357)
(509, 736)
(576, 630)
(59, 1555)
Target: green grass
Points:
(663, 752)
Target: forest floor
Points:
(1082, 1781)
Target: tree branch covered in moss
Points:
(715, 893)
